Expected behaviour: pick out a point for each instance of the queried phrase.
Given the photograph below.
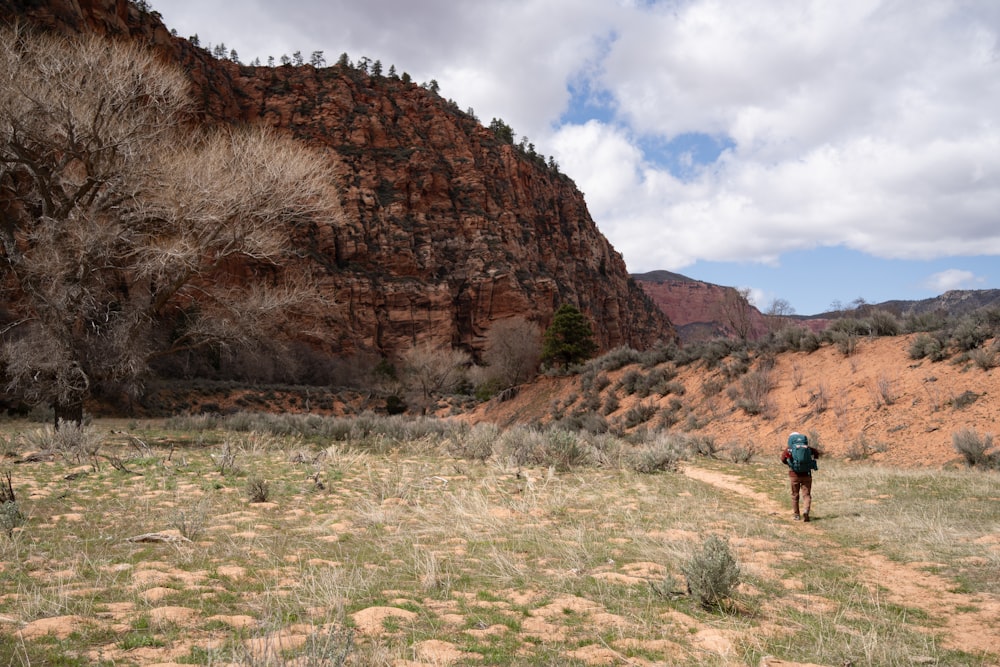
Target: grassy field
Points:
(378, 542)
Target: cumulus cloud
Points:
(953, 279)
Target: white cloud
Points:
(953, 279)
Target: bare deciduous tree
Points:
(778, 315)
(736, 311)
(513, 351)
(126, 232)
(429, 371)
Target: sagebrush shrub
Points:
(883, 323)
(640, 413)
(973, 447)
(712, 573)
(753, 392)
(964, 400)
(665, 453)
(475, 444)
(985, 358)
(741, 452)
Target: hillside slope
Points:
(876, 403)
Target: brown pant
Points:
(803, 484)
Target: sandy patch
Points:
(370, 621)
(56, 626)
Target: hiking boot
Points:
(796, 517)
(805, 517)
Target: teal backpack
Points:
(801, 459)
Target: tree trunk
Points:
(68, 412)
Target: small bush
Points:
(190, 521)
(616, 359)
(704, 445)
(640, 413)
(753, 392)
(477, 443)
(820, 398)
(258, 490)
(846, 342)
(712, 387)
(712, 574)
(985, 358)
(883, 392)
(665, 453)
(631, 382)
(671, 414)
(11, 516)
(858, 450)
(973, 447)
(964, 400)
(970, 333)
(884, 323)
(741, 452)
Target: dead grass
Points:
(408, 555)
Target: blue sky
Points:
(808, 150)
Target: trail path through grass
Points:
(964, 622)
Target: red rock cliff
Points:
(447, 229)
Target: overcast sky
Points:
(816, 151)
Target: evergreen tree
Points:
(569, 339)
(502, 130)
(317, 59)
(297, 58)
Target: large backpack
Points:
(801, 460)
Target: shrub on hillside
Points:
(985, 358)
(752, 395)
(883, 323)
(845, 341)
(640, 413)
(925, 322)
(659, 354)
(853, 326)
(925, 346)
(620, 357)
(974, 448)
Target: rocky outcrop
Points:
(447, 229)
(697, 309)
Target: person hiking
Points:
(800, 457)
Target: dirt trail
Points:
(966, 622)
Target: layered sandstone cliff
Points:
(446, 230)
(700, 310)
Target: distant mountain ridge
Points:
(696, 307)
(952, 302)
